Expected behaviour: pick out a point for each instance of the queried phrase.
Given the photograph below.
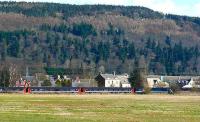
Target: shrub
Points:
(174, 86)
(66, 83)
(147, 89)
(58, 83)
(46, 83)
(195, 89)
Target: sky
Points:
(180, 7)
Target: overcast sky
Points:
(180, 7)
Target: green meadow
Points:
(102, 108)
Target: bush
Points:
(46, 83)
(195, 89)
(58, 83)
(147, 89)
(174, 87)
(66, 83)
(63, 83)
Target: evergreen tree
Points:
(4, 77)
(4, 50)
(136, 77)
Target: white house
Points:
(124, 80)
(112, 80)
(192, 83)
(154, 82)
(77, 82)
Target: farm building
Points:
(112, 80)
(182, 81)
(156, 82)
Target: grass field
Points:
(85, 108)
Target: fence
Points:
(77, 89)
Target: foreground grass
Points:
(133, 108)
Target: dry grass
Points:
(62, 107)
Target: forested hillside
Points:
(91, 38)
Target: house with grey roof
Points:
(112, 80)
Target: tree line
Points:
(55, 50)
(81, 45)
(52, 9)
